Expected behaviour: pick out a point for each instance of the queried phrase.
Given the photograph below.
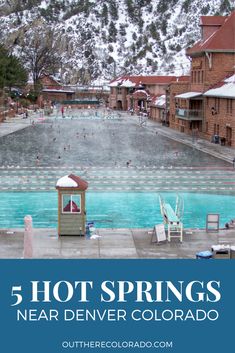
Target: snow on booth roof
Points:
(72, 181)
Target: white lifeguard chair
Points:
(173, 218)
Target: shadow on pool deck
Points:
(113, 243)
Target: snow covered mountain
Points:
(99, 39)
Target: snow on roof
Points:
(137, 81)
(160, 102)
(230, 79)
(141, 93)
(127, 83)
(106, 88)
(225, 91)
(57, 90)
(71, 181)
(66, 182)
(189, 95)
(115, 83)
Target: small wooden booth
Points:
(71, 205)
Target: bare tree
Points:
(40, 52)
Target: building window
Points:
(217, 130)
(199, 76)
(119, 90)
(229, 107)
(192, 76)
(207, 127)
(202, 77)
(217, 105)
(71, 203)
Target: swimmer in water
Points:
(37, 160)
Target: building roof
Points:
(188, 95)
(49, 80)
(51, 90)
(225, 89)
(141, 93)
(182, 78)
(223, 39)
(138, 81)
(72, 181)
(159, 101)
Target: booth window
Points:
(71, 203)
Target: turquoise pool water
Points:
(113, 210)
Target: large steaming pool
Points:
(114, 210)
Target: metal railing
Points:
(189, 114)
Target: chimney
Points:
(210, 25)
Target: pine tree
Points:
(112, 32)
(16, 74)
(129, 5)
(113, 9)
(153, 31)
(162, 6)
(104, 15)
(225, 7)
(12, 72)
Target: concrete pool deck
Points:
(216, 150)
(11, 125)
(112, 244)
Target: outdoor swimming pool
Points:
(113, 210)
(98, 143)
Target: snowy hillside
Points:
(100, 39)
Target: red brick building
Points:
(220, 112)
(77, 96)
(160, 111)
(212, 59)
(136, 92)
(179, 85)
(53, 91)
(158, 108)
